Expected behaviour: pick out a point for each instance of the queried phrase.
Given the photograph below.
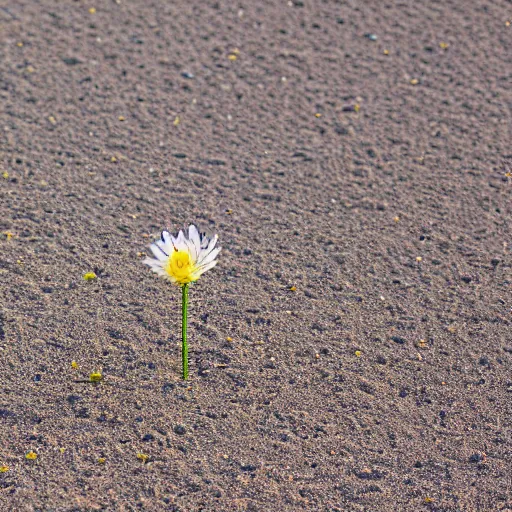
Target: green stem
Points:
(184, 346)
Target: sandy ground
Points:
(352, 350)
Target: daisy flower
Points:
(182, 259)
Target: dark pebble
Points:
(47, 289)
(83, 413)
(381, 360)
(477, 457)
(71, 61)
(148, 438)
(398, 339)
(403, 393)
(483, 361)
(167, 387)
(37, 378)
(248, 467)
(369, 475)
(188, 75)
(466, 279)
(180, 430)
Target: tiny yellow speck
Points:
(92, 10)
(31, 455)
(414, 81)
(232, 57)
(452, 329)
(229, 212)
(101, 460)
(52, 120)
(507, 174)
(4, 469)
(358, 353)
(422, 344)
(176, 121)
(443, 46)
(8, 235)
(293, 288)
(229, 339)
(89, 276)
(357, 107)
(95, 377)
(429, 500)
(121, 118)
(318, 115)
(20, 44)
(317, 356)
(396, 219)
(142, 456)
(62, 450)
(419, 259)
(19, 262)
(74, 365)
(5, 175)
(30, 69)
(113, 159)
(386, 52)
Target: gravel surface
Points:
(352, 349)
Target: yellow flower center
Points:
(179, 265)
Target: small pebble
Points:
(371, 37)
(478, 457)
(180, 430)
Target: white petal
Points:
(209, 257)
(159, 252)
(166, 237)
(193, 234)
(202, 270)
(179, 242)
(208, 250)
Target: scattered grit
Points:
(352, 350)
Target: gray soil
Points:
(355, 150)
